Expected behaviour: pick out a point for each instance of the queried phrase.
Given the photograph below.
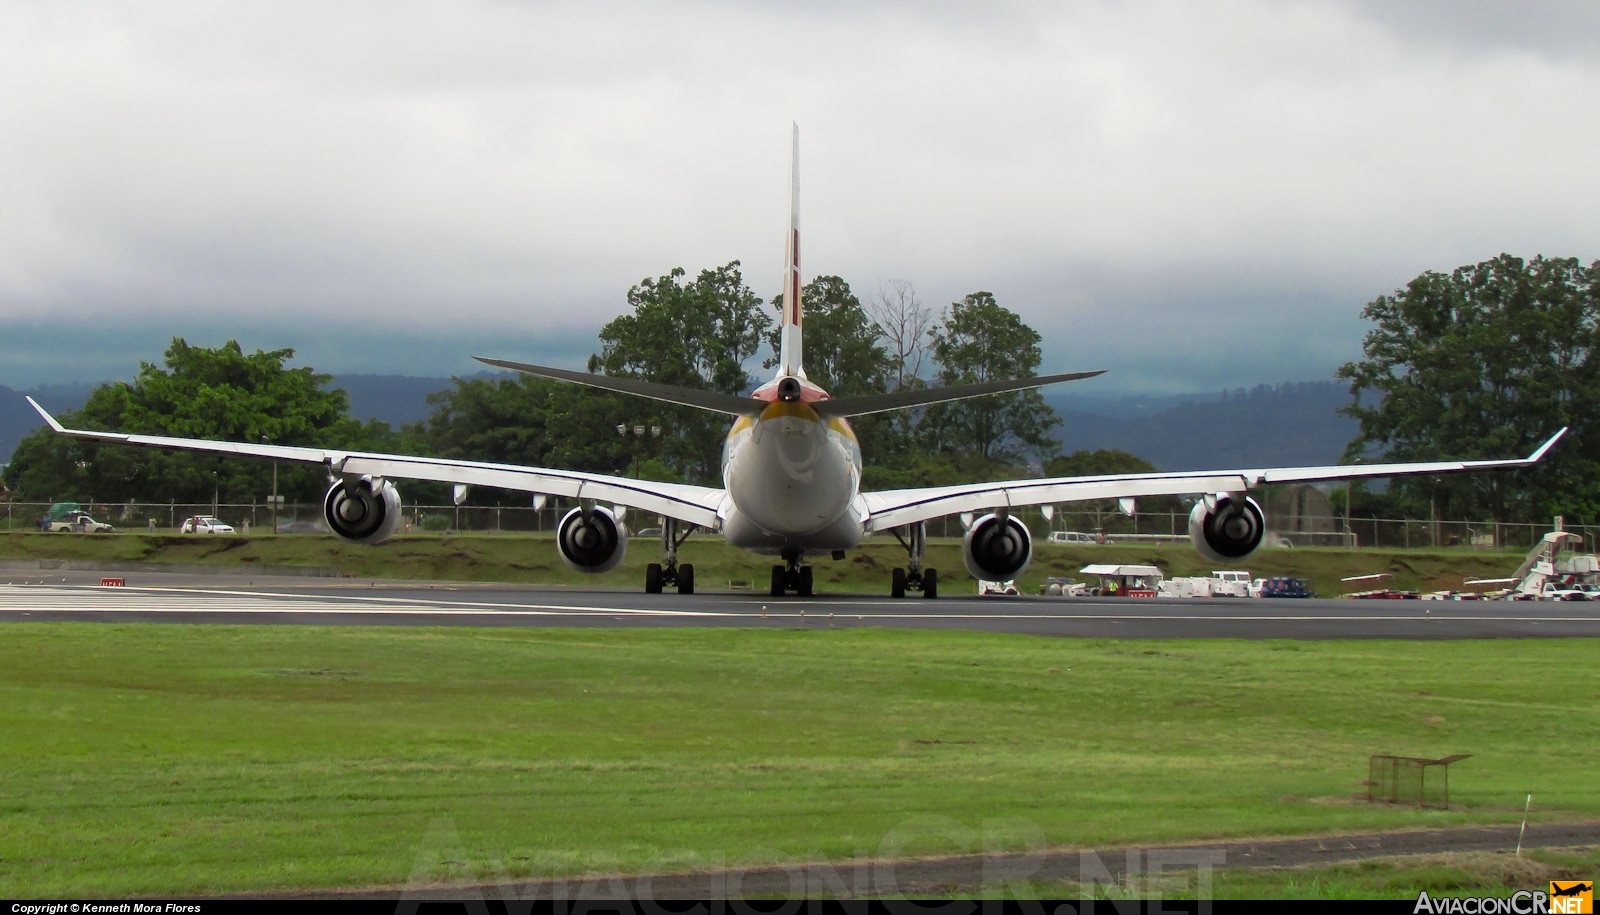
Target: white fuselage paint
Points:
(793, 478)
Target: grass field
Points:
(532, 558)
(149, 759)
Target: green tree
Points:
(1107, 462)
(221, 393)
(978, 340)
(844, 353)
(1486, 362)
(1100, 462)
(697, 333)
(536, 422)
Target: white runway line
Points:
(92, 599)
(31, 598)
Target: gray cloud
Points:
(1195, 194)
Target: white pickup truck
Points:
(80, 522)
(1554, 590)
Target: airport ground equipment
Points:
(1225, 583)
(997, 588)
(1544, 568)
(1055, 586)
(1192, 586)
(1230, 583)
(1284, 586)
(1546, 574)
(1125, 580)
(1411, 780)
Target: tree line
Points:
(700, 332)
(1486, 361)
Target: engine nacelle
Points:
(996, 549)
(362, 513)
(593, 544)
(1230, 531)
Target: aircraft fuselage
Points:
(792, 476)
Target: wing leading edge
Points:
(693, 504)
(896, 507)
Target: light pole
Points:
(638, 434)
(274, 499)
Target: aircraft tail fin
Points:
(789, 348)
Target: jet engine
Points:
(1230, 529)
(366, 511)
(591, 541)
(996, 548)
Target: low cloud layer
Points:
(1191, 194)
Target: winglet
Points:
(1537, 455)
(62, 429)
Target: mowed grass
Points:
(532, 558)
(149, 759)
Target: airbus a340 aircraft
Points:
(791, 478)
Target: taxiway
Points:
(218, 600)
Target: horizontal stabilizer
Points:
(671, 393)
(900, 400)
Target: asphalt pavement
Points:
(170, 598)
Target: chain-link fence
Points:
(1113, 526)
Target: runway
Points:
(215, 600)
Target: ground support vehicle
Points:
(1125, 580)
(78, 522)
(1283, 586)
(1230, 583)
(1063, 587)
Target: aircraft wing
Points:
(895, 507)
(691, 504)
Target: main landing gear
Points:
(791, 576)
(914, 577)
(668, 572)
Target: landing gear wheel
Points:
(652, 578)
(804, 588)
(930, 583)
(897, 583)
(686, 578)
(778, 583)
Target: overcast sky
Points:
(1192, 194)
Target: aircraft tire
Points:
(686, 578)
(652, 578)
(804, 590)
(778, 584)
(930, 583)
(897, 583)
